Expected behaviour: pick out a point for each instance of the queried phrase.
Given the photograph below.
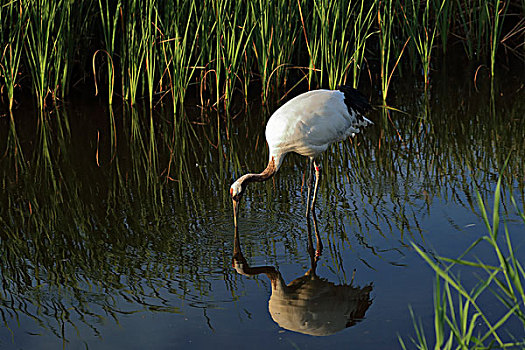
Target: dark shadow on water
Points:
(309, 304)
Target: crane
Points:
(307, 124)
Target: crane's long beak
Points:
(235, 212)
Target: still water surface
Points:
(127, 241)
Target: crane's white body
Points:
(309, 123)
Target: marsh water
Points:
(116, 226)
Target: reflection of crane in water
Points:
(309, 304)
(307, 125)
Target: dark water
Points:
(113, 236)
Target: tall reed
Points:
(179, 48)
(233, 38)
(336, 49)
(109, 20)
(55, 30)
(326, 22)
(362, 32)
(220, 9)
(480, 23)
(387, 47)
(155, 48)
(133, 48)
(43, 35)
(149, 32)
(336, 39)
(311, 43)
(273, 41)
(445, 20)
(499, 10)
(74, 17)
(423, 29)
(385, 19)
(13, 27)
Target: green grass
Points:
(154, 51)
(385, 21)
(422, 29)
(12, 34)
(275, 35)
(461, 319)
(108, 22)
(45, 27)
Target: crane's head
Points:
(236, 191)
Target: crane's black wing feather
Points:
(355, 102)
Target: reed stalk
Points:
(499, 10)
(149, 25)
(221, 10)
(179, 50)
(13, 27)
(43, 35)
(133, 49)
(336, 49)
(336, 40)
(385, 20)
(74, 16)
(422, 30)
(273, 40)
(481, 22)
(206, 42)
(109, 20)
(234, 37)
(444, 21)
(310, 39)
(362, 32)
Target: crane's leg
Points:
(314, 254)
(319, 248)
(317, 175)
(310, 181)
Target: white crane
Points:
(307, 125)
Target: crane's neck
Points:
(271, 169)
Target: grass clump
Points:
(461, 321)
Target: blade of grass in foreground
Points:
(505, 281)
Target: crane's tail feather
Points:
(356, 103)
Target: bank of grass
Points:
(146, 51)
(461, 319)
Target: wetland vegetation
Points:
(124, 122)
(154, 52)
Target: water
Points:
(127, 241)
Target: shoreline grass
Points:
(155, 49)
